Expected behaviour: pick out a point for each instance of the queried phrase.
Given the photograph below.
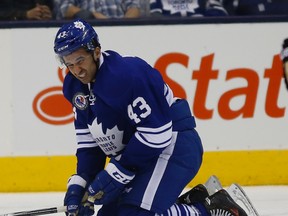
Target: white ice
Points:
(268, 200)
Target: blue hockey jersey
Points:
(187, 8)
(125, 114)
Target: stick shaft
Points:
(43, 211)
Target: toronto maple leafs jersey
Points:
(125, 113)
(187, 8)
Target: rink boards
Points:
(244, 167)
(230, 74)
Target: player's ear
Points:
(96, 53)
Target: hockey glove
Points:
(109, 183)
(284, 58)
(86, 208)
(76, 198)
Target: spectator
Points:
(187, 8)
(26, 9)
(97, 9)
(256, 7)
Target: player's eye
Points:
(70, 66)
(78, 63)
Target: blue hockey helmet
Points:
(74, 35)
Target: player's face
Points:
(82, 65)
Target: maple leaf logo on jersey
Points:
(180, 6)
(109, 140)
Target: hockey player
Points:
(125, 111)
(284, 58)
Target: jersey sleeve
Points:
(90, 158)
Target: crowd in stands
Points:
(26, 9)
(115, 9)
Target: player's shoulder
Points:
(116, 75)
(129, 70)
(125, 60)
(122, 68)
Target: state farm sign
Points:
(205, 75)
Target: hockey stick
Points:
(38, 211)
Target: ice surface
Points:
(268, 200)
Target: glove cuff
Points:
(119, 173)
(76, 180)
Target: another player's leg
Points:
(195, 195)
(218, 204)
(174, 210)
(221, 203)
(200, 192)
(212, 185)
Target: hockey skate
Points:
(200, 192)
(195, 195)
(213, 185)
(221, 203)
(238, 194)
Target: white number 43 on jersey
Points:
(141, 105)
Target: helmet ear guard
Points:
(60, 61)
(73, 36)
